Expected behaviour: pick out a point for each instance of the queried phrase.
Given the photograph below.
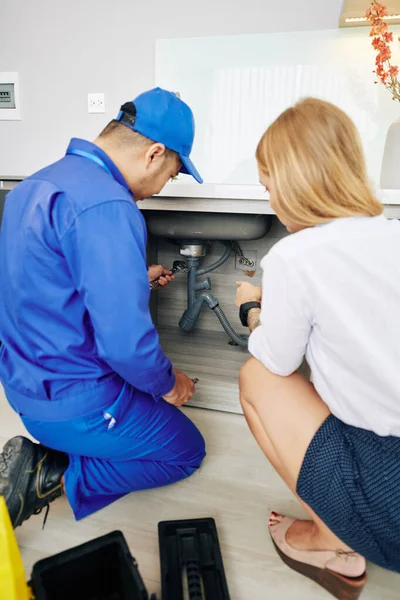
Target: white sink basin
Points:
(207, 226)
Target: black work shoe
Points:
(30, 478)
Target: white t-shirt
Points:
(332, 293)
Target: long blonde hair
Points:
(313, 156)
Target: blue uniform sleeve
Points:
(106, 252)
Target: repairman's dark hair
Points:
(124, 135)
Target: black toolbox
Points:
(104, 569)
(191, 561)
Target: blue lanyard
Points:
(91, 157)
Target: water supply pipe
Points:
(196, 301)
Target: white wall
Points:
(238, 85)
(63, 50)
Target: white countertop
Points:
(217, 205)
(181, 189)
(250, 199)
(250, 207)
(221, 198)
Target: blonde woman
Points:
(331, 294)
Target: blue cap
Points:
(163, 117)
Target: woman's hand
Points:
(163, 275)
(246, 292)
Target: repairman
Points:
(80, 359)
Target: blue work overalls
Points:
(81, 361)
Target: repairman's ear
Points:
(155, 153)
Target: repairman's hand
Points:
(163, 275)
(182, 391)
(246, 292)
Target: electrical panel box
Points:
(7, 95)
(10, 108)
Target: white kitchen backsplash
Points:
(237, 85)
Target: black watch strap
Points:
(244, 311)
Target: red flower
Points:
(388, 37)
(380, 70)
(377, 10)
(384, 54)
(376, 43)
(378, 28)
(381, 10)
(382, 37)
(384, 76)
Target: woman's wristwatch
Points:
(244, 311)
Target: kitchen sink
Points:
(207, 226)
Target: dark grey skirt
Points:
(351, 478)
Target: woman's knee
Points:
(249, 381)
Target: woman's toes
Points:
(274, 519)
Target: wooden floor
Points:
(236, 486)
(207, 356)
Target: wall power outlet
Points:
(96, 103)
(248, 262)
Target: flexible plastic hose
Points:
(218, 263)
(240, 340)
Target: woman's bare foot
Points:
(304, 535)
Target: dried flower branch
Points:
(382, 37)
